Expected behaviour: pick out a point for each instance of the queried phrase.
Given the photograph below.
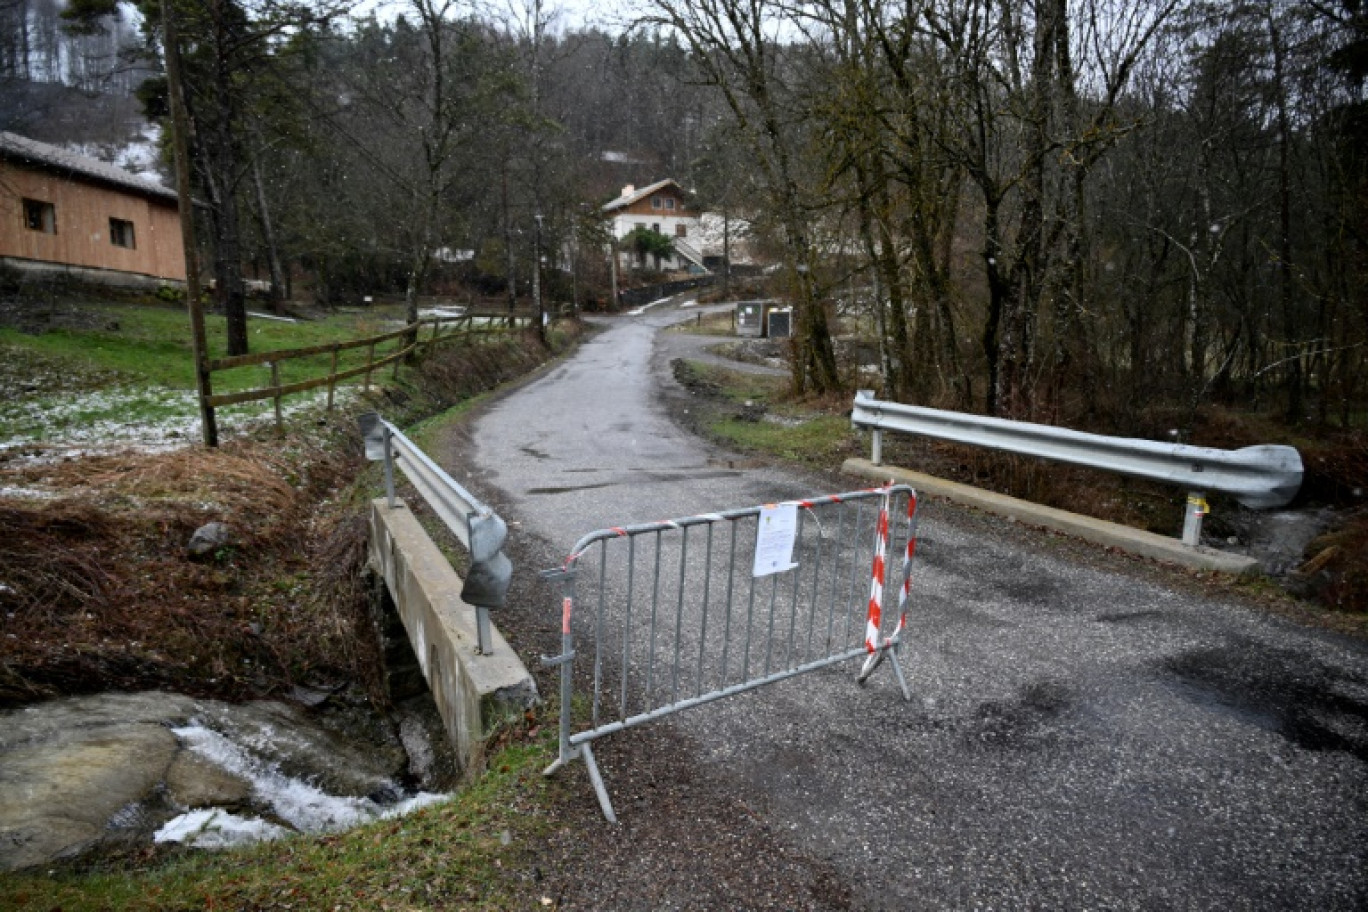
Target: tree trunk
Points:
(222, 165)
(268, 235)
(511, 262)
(997, 295)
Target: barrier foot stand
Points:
(604, 803)
(557, 765)
(876, 659)
(897, 670)
(585, 752)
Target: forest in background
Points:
(1091, 212)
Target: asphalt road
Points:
(1085, 732)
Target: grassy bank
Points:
(755, 414)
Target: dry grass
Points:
(100, 591)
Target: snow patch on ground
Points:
(645, 307)
(74, 424)
(445, 313)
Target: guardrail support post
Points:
(866, 399)
(478, 527)
(1192, 518)
(483, 644)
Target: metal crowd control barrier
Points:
(477, 526)
(687, 611)
(1260, 477)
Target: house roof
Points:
(21, 148)
(628, 199)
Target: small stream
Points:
(117, 770)
(300, 806)
(1278, 539)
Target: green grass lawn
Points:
(127, 371)
(788, 429)
(152, 344)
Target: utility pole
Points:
(180, 143)
(536, 276)
(537, 25)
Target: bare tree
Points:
(735, 45)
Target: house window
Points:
(121, 233)
(669, 202)
(656, 203)
(40, 216)
(681, 231)
(655, 226)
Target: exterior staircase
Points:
(686, 251)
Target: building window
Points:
(121, 233)
(40, 216)
(655, 226)
(681, 231)
(656, 203)
(669, 202)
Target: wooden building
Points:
(62, 213)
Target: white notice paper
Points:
(774, 542)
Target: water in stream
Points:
(117, 769)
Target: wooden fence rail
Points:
(462, 326)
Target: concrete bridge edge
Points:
(474, 693)
(1101, 532)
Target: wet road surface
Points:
(1082, 735)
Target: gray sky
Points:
(606, 14)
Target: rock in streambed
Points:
(82, 772)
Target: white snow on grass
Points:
(38, 429)
(446, 313)
(265, 316)
(304, 807)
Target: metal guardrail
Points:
(698, 609)
(478, 527)
(1260, 477)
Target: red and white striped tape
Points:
(877, 584)
(880, 571)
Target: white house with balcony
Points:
(664, 208)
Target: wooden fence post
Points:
(275, 384)
(332, 378)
